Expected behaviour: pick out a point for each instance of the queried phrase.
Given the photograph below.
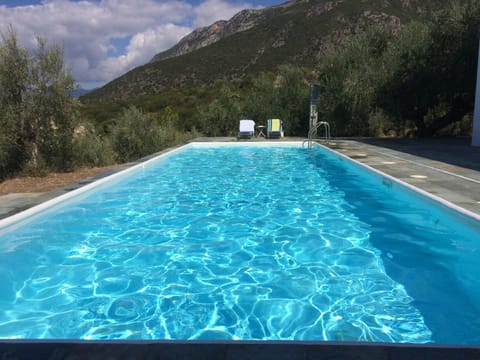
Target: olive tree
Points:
(220, 117)
(135, 134)
(14, 85)
(433, 83)
(37, 109)
(53, 109)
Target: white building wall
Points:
(476, 112)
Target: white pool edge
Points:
(36, 209)
(411, 188)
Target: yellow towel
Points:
(275, 125)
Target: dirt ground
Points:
(47, 183)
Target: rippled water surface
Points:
(230, 242)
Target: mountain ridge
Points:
(207, 35)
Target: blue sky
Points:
(103, 39)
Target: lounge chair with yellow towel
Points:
(274, 129)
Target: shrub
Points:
(91, 149)
(136, 134)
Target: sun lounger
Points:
(274, 128)
(246, 129)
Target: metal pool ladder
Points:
(313, 132)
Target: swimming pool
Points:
(241, 242)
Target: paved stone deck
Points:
(449, 169)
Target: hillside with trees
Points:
(418, 80)
(295, 33)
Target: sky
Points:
(103, 39)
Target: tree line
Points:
(418, 82)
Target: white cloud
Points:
(88, 30)
(142, 47)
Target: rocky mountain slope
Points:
(207, 35)
(295, 32)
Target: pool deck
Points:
(446, 168)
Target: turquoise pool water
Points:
(242, 242)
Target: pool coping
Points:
(232, 350)
(450, 172)
(20, 202)
(446, 205)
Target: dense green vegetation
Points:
(419, 81)
(216, 109)
(36, 110)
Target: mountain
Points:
(207, 35)
(252, 41)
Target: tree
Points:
(259, 99)
(14, 84)
(220, 117)
(136, 134)
(433, 83)
(292, 101)
(281, 95)
(53, 110)
(349, 77)
(37, 110)
(89, 148)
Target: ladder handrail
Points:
(314, 129)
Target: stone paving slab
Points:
(11, 203)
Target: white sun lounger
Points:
(246, 129)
